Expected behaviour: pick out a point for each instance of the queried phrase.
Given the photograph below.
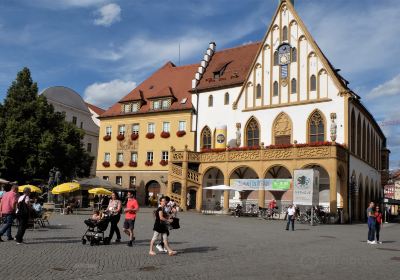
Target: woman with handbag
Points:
(114, 209)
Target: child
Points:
(96, 216)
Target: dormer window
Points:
(135, 107)
(166, 103)
(156, 105)
(127, 108)
(220, 72)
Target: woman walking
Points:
(161, 229)
(114, 208)
(378, 223)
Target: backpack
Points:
(23, 210)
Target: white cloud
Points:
(106, 94)
(389, 88)
(65, 4)
(108, 15)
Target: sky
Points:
(102, 49)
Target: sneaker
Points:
(373, 242)
(165, 250)
(130, 244)
(10, 238)
(117, 240)
(379, 242)
(159, 248)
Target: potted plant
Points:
(133, 163)
(150, 135)
(107, 137)
(164, 162)
(180, 133)
(120, 137)
(119, 164)
(134, 136)
(106, 164)
(165, 134)
(148, 163)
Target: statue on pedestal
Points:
(333, 127)
(238, 135)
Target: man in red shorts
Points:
(132, 206)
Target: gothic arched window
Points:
(252, 133)
(210, 101)
(276, 58)
(258, 92)
(284, 33)
(276, 89)
(206, 138)
(294, 55)
(313, 83)
(316, 128)
(294, 86)
(226, 98)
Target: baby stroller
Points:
(95, 232)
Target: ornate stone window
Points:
(252, 133)
(258, 91)
(282, 129)
(206, 138)
(316, 127)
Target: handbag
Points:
(175, 223)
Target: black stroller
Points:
(95, 232)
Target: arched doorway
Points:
(212, 198)
(324, 185)
(152, 190)
(282, 198)
(191, 198)
(245, 197)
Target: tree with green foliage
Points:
(34, 138)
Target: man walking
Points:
(23, 212)
(371, 223)
(132, 206)
(7, 211)
(291, 215)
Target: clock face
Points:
(284, 54)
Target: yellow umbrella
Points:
(100, 191)
(66, 188)
(31, 187)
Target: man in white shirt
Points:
(291, 216)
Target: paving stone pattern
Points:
(210, 247)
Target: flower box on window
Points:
(119, 164)
(106, 164)
(164, 162)
(180, 133)
(120, 137)
(165, 134)
(133, 163)
(107, 137)
(150, 135)
(134, 136)
(148, 163)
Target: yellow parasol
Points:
(31, 187)
(66, 188)
(100, 191)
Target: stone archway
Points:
(152, 190)
(361, 197)
(247, 197)
(212, 199)
(278, 172)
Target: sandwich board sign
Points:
(306, 187)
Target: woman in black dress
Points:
(161, 229)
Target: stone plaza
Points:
(210, 247)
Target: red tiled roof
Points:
(169, 80)
(96, 109)
(239, 60)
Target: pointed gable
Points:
(289, 67)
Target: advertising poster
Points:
(306, 187)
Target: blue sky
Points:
(103, 48)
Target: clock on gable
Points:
(284, 51)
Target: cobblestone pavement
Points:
(210, 247)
